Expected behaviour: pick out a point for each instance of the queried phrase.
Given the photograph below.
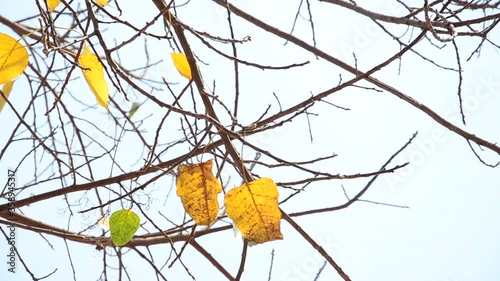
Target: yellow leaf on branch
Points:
(13, 58)
(93, 71)
(102, 2)
(182, 64)
(198, 188)
(6, 89)
(52, 4)
(254, 209)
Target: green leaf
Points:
(123, 224)
(133, 109)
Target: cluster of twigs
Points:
(68, 150)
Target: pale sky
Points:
(449, 232)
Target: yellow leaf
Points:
(182, 65)
(7, 88)
(254, 209)
(52, 4)
(93, 71)
(102, 2)
(198, 188)
(13, 58)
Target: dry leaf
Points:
(254, 209)
(6, 89)
(198, 188)
(13, 58)
(182, 64)
(52, 4)
(93, 71)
